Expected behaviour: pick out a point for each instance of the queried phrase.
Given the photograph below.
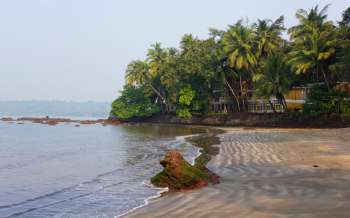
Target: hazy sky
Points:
(79, 49)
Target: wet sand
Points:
(270, 173)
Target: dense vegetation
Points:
(241, 58)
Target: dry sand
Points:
(270, 173)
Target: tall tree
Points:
(341, 67)
(197, 67)
(346, 18)
(238, 43)
(309, 20)
(156, 59)
(223, 73)
(170, 79)
(138, 73)
(275, 79)
(268, 36)
(313, 42)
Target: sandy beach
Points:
(269, 173)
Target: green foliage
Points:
(197, 66)
(185, 101)
(341, 66)
(238, 45)
(314, 44)
(137, 72)
(346, 18)
(268, 36)
(322, 103)
(275, 79)
(183, 113)
(186, 96)
(344, 108)
(235, 61)
(133, 103)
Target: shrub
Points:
(185, 101)
(184, 113)
(322, 102)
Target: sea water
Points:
(85, 171)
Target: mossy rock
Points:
(179, 175)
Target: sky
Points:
(77, 50)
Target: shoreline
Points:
(219, 122)
(268, 173)
(193, 140)
(146, 201)
(250, 120)
(165, 191)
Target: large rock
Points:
(179, 175)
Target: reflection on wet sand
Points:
(270, 173)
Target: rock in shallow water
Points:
(179, 175)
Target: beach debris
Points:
(179, 175)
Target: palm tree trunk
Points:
(282, 101)
(242, 95)
(234, 95)
(158, 93)
(325, 79)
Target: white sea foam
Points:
(147, 200)
(198, 150)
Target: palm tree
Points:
(138, 73)
(169, 78)
(268, 36)
(156, 58)
(157, 62)
(222, 72)
(275, 79)
(308, 20)
(346, 18)
(341, 66)
(238, 45)
(313, 42)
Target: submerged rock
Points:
(9, 119)
(179, 175)
(54, 121)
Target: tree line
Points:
(241, 58)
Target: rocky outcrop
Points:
(54, 121)
(179, 175)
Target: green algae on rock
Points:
(179, 175)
